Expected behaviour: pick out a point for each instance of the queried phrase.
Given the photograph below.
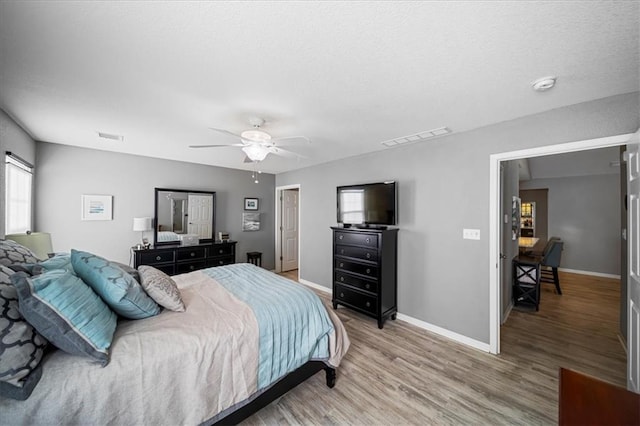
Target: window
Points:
(19, 177)
(352, 204)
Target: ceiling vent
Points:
(417, 137)
(111, 136)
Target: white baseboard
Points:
(419, 323)
(593, 274)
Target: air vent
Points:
(111, 136)
(417, 137)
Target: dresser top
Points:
(178, 246)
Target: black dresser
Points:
(176, 259)
(365, 271)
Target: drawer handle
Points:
(368, 271)
(368, 304)
(341, 294)
(368, 255)
(367, 286)
(341, 264)
(192, 267)
(342, 279)
(339, 237)
(341, 251)
(368, 240)
(192, 254)
(158, 257)
(220, 262)
(220, 251)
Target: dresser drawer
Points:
(167, 269)
(367, 285)
(355, 299)
(358, 268)
(193, 253)
(181, 268)
(363, 253)
(222, 260)
(221, 250)
(356, 239)
(156, 256)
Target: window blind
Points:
(19, 177)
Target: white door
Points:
(200, 215)
(633, 282)
(289, 229)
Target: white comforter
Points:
(175, 368)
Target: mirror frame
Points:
(189, 191)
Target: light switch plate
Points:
(471, 234)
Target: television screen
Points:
(367, 204)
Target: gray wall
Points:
(16, 140)
(584, 212)
(64, 173)
(443, 188)
(510, 189)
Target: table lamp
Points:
(38, 242)
(142, 224)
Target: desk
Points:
(527, 242)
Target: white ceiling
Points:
(348, 75)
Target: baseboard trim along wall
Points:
(419, 323)
(593, 274)
(507, 312)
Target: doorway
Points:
(288, 229)
(495, 290)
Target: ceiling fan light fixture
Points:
(255, 152)
(255, 135)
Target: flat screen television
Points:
(368, 205)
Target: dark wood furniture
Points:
(585, 400)
(526, 282)
(283, 386)
(254, 257)
(178, 259)
(365, 271)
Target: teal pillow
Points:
(117, 288)
(58, 261)
(66, 312)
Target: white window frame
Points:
(18, 194)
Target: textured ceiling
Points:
(348, 75)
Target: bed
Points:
(247, 336)
(168, 236)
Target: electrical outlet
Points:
(471, 234)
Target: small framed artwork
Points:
(250, 221)
(251, 204)
(97, 207)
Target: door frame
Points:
(278, 241)
(495, 292)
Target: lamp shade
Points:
(37, 242)
(142, 224)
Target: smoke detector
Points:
(544, 83)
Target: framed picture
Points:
(97, 207)
(515, 217)
(251, 204)
(250, 221)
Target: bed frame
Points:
(284, 385)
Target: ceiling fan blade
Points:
(226, 132)
(214, 146)
(285, 153)
(290, 140)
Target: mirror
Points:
(180, 212)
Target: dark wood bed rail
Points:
(284, 385)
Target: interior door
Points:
(633, 251)
(289, 229)
(200, 215)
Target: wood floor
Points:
(406, 375)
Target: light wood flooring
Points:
(404, 375)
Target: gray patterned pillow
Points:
(21, 347)
(161, 288)
(12, 252)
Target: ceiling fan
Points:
(257, 144)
